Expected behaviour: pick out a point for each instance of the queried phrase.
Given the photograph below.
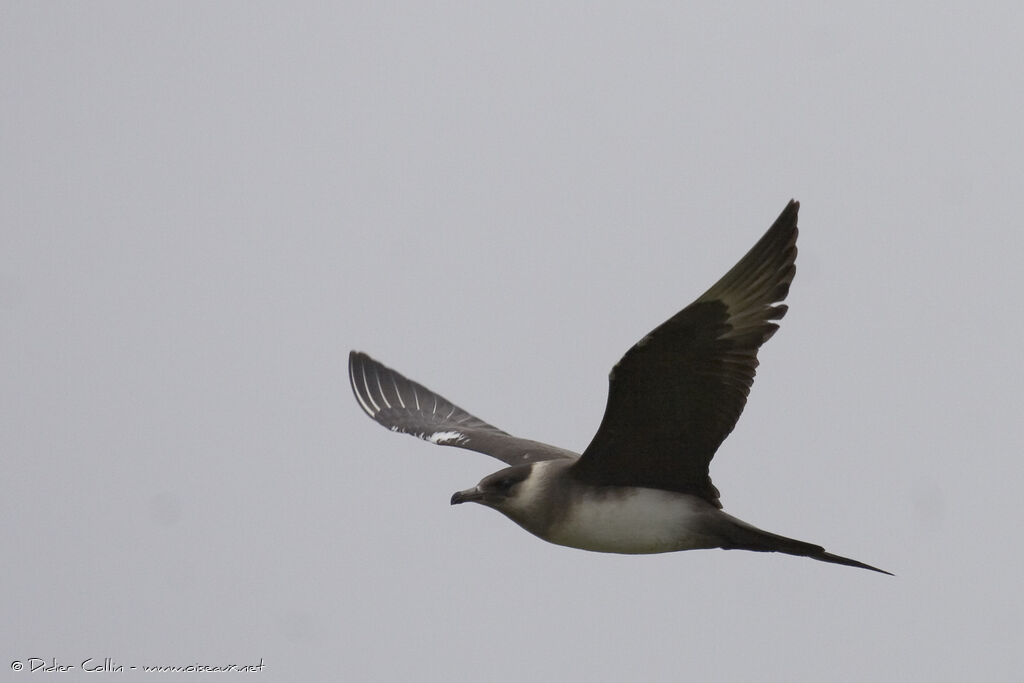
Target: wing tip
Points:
(357, 361)
(789, 213)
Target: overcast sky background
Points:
(204, 207)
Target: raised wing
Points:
(405, 406)
(676, 395)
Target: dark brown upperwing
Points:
(676, 395)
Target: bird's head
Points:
(498, 490)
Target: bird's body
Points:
(616, 519)
(642, 485)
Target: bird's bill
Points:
(472, 495)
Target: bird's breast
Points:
(634, 520)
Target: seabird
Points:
(642, 485)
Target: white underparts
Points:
(637, 520)
(610, 519)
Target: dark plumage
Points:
(642, 485)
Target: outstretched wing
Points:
(676, 395)
(405, 406)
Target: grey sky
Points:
(203, 208)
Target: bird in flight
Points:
(642, 485)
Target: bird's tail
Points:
(744, 536)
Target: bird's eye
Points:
(504, 485)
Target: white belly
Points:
(637, 520)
